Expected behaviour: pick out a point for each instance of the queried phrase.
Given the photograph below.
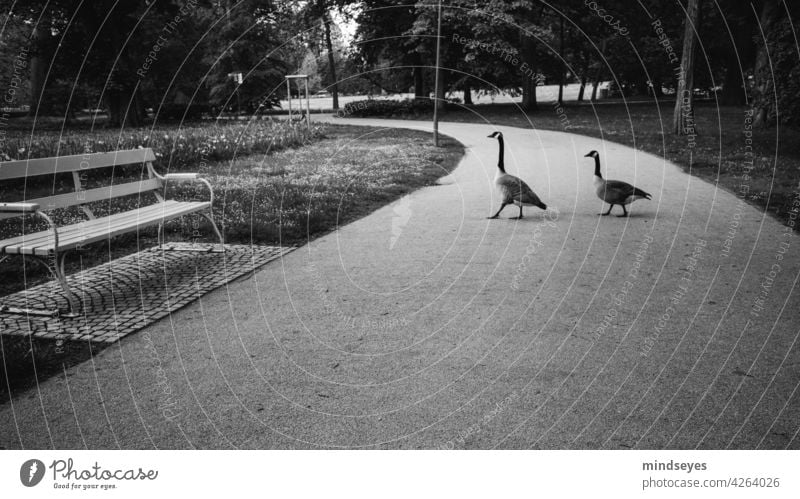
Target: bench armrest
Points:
(19, 207)
(187, 177)
(182, 176)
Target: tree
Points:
(387, 57)
(319, 12)
(15, 55)
(683, 116)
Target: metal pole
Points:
(308, 107)
(289, 95)
(436, 81)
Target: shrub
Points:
(387, 108)
(176, 147)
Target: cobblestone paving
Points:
(122, 296)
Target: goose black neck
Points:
(597, 167)
(500, 163)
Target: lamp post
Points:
(436, 80)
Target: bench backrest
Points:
(76, 165)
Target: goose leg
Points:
(609, 211)
(520, 214)
(498, 211)
(624, 211)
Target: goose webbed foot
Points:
(624, 212)
(608, 212)
(498, 212)
(520, 215)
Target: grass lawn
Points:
(719, 155)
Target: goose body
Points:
(513, 190)
(614, 192)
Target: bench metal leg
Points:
(57, 271)
(74, 304)
(201, 249)
(210, 218)
(161, 235)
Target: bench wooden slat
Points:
(42, 237)
(45, 166)
(145, 218)
(91, 195)
(72, 236)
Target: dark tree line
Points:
(727, 56)
(177, 56)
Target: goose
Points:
(512, 189)
(614, 192)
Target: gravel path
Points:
(425, 325)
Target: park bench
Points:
(50, 246)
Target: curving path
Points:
(424, 325)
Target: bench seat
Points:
(91, 231)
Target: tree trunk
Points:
(658, 91)
(733, 93)
(529, 76)
(583, 86)
(442, 94)
(563, 62)
(124, 109)
(595, 85)
(599, 73)
(467, 93)
(683, 116)
(763, 90)
(334, 88)
(41, 54)
(419, 79)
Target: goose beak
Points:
(589, 155)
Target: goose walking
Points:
(614, 192)
(512, 189)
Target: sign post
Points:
(289, 96)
